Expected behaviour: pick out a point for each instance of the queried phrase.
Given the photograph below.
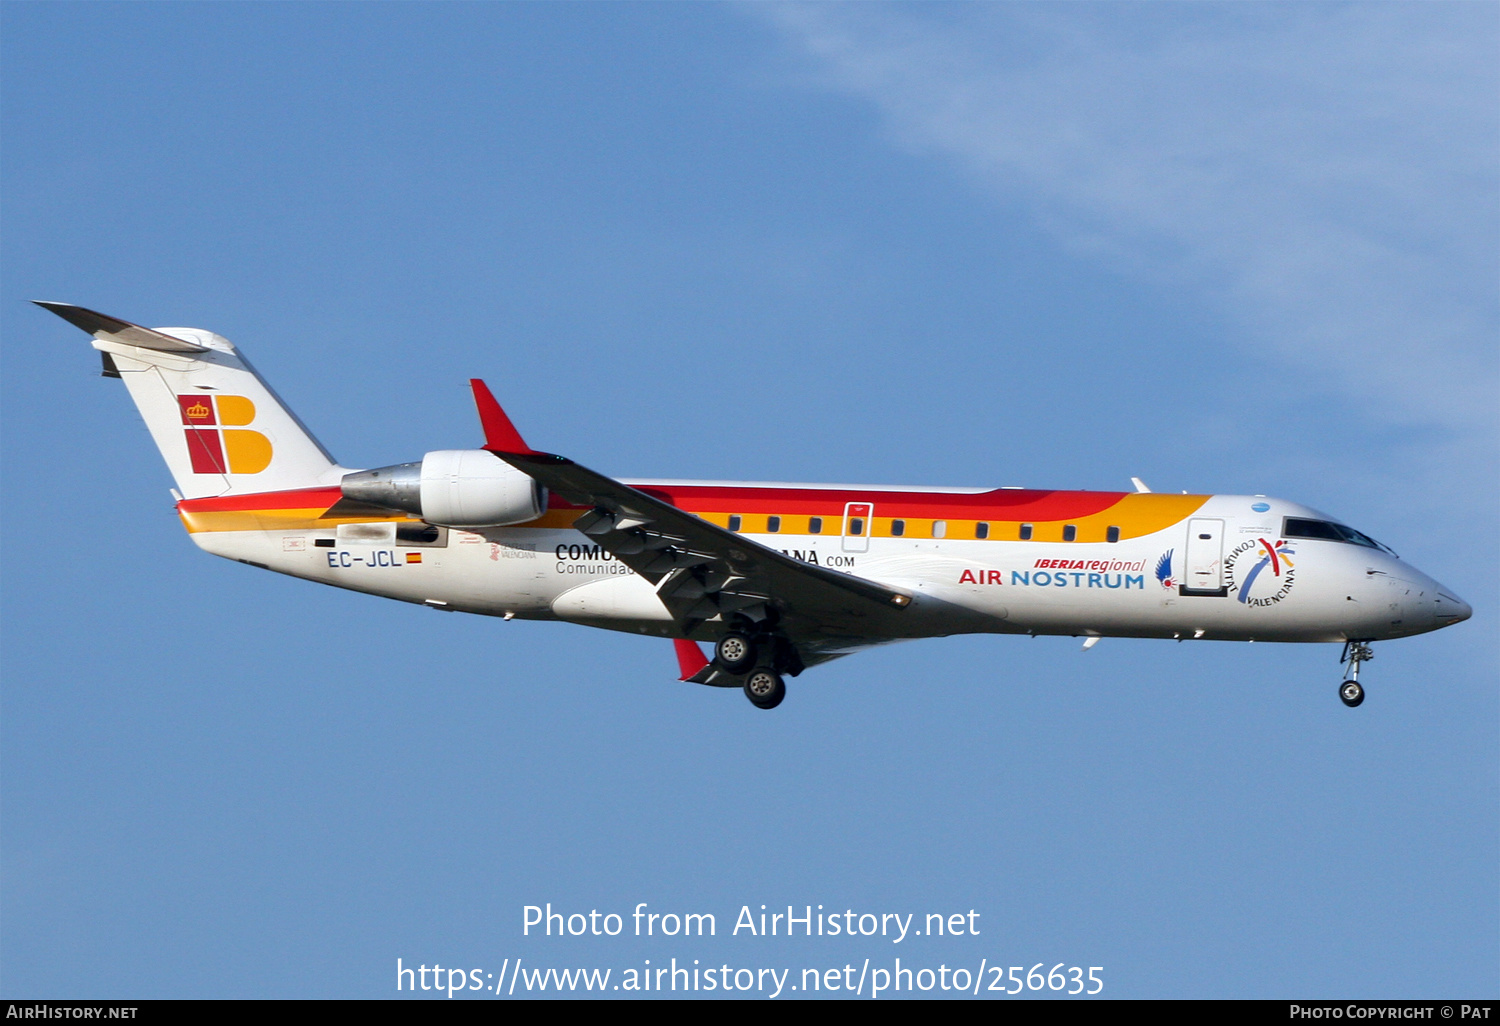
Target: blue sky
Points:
(1239, 248)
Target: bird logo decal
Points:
(1164, 570)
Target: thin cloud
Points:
(1329, 173)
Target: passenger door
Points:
(1203, 569)
(857, 526)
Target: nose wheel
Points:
(1351, 692)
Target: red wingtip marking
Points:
(499, 432)
(690, 658)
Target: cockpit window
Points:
(1297, 527)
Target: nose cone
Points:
(1451, 609)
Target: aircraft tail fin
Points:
(219, 426)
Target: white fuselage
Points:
(1315, 590)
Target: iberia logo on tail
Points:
(217, 440)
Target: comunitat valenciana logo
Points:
(217, 439)
(1259, 573)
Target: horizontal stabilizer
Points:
(115, 330)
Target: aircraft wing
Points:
(702, 571)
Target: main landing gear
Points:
(759, 657)
(735, 652)
(1355, 652)
(765, 688)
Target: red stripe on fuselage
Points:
(300, 498)
(1000, 504)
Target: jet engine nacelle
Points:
(452, 488)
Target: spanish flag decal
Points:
(217, 439)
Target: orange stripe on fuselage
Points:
(275, 520)
(1091, 513)
(299, 509)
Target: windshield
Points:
(1299, 527)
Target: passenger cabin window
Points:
(939, 528)
(734, 521)
(773, 524)
(1070, 532)
(1112, 534)
(898, 527)
(981, 530)
(856, 525)
(1297, 527)
(814, 525)
(1026, 532)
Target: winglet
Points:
(690, 658)
(499, 433)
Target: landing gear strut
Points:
(1355, 652)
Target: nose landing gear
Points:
(1355, 652)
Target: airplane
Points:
(777, 578)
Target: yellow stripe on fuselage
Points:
(1136, 515)
(275, 520)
